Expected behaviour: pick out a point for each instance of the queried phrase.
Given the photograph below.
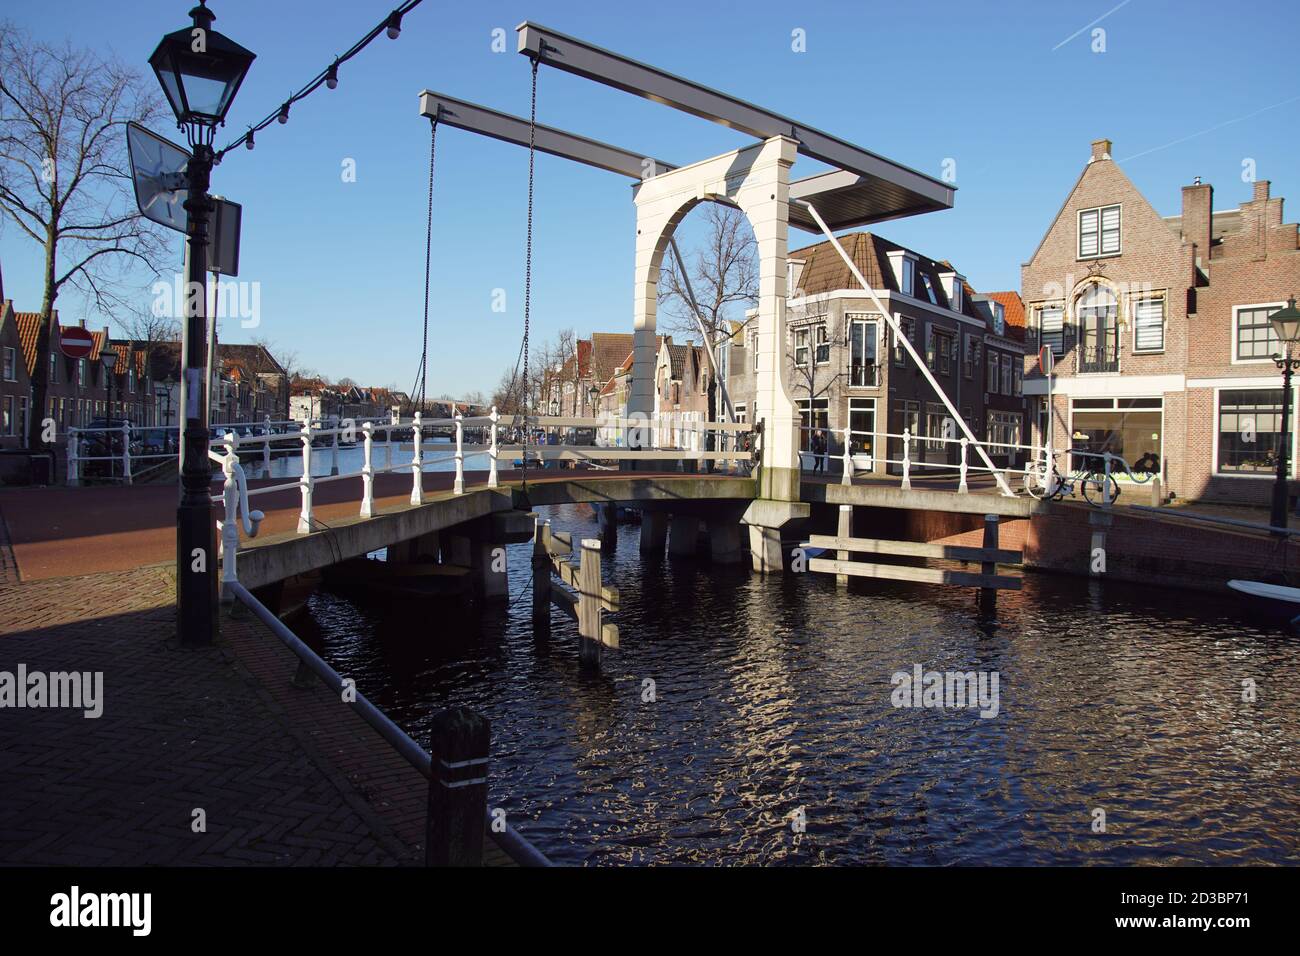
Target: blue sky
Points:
(1185, 88)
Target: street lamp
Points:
(593, 393)
(109, 358)
(199, 71)
(1286, 323)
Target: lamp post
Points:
(109, 359)
(199, 71)
(1286, 323)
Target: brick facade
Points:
(1147, 356)
(847, 369)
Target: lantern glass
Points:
(200, 75)
(1286, 323)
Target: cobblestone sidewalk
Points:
(182, 730)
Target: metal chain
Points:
(428, 260)
(528, 259)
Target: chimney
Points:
(1198, 205)
(82, 323)
(1261, 189)
(1100, 149)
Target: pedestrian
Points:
(818, 450)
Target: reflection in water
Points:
(773, 694)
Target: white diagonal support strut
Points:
(911, 350)
(704, 332)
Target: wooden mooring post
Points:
(541, 576)
(589, 647)
(988, 599)
(588, 599)
(458, 747)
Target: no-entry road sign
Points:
(76, 342)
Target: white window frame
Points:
(1236, 311)
(909, 276)
(1069, 423)
(863, 462)
(1101, 252)
(871, 322)
(1039, 309)
(821, 340)
(992, 371)
(1266, 384)
(1133, 305)
(10, 364)
(804, 333)
(968, 357)
(1006, 373)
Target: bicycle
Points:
(1090, 481)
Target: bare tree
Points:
(64, 177)
(150, 335)
(810, 376)
(723, 274)
(508, 395)
(283, 367)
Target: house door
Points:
(862, 432)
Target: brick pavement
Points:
(181, 729)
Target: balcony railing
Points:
(1099, 358)
(863, 375)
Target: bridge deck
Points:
(60, 532)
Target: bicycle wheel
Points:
(1093, 490)
(1036, 480)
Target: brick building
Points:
(1159, 328)
(681, 379)
(847, 369)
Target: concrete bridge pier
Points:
(425, 547)
(683, 535)
(607, 522)
(769, 524)
(480, 545)
(654, 530)
(724, 540)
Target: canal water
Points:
(769, 734)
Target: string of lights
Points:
(329, 77)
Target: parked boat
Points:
(1274, 600)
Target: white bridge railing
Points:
(915, 453)
(544, 441)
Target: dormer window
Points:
(954, 287)
(999, 318)
(904, 265)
